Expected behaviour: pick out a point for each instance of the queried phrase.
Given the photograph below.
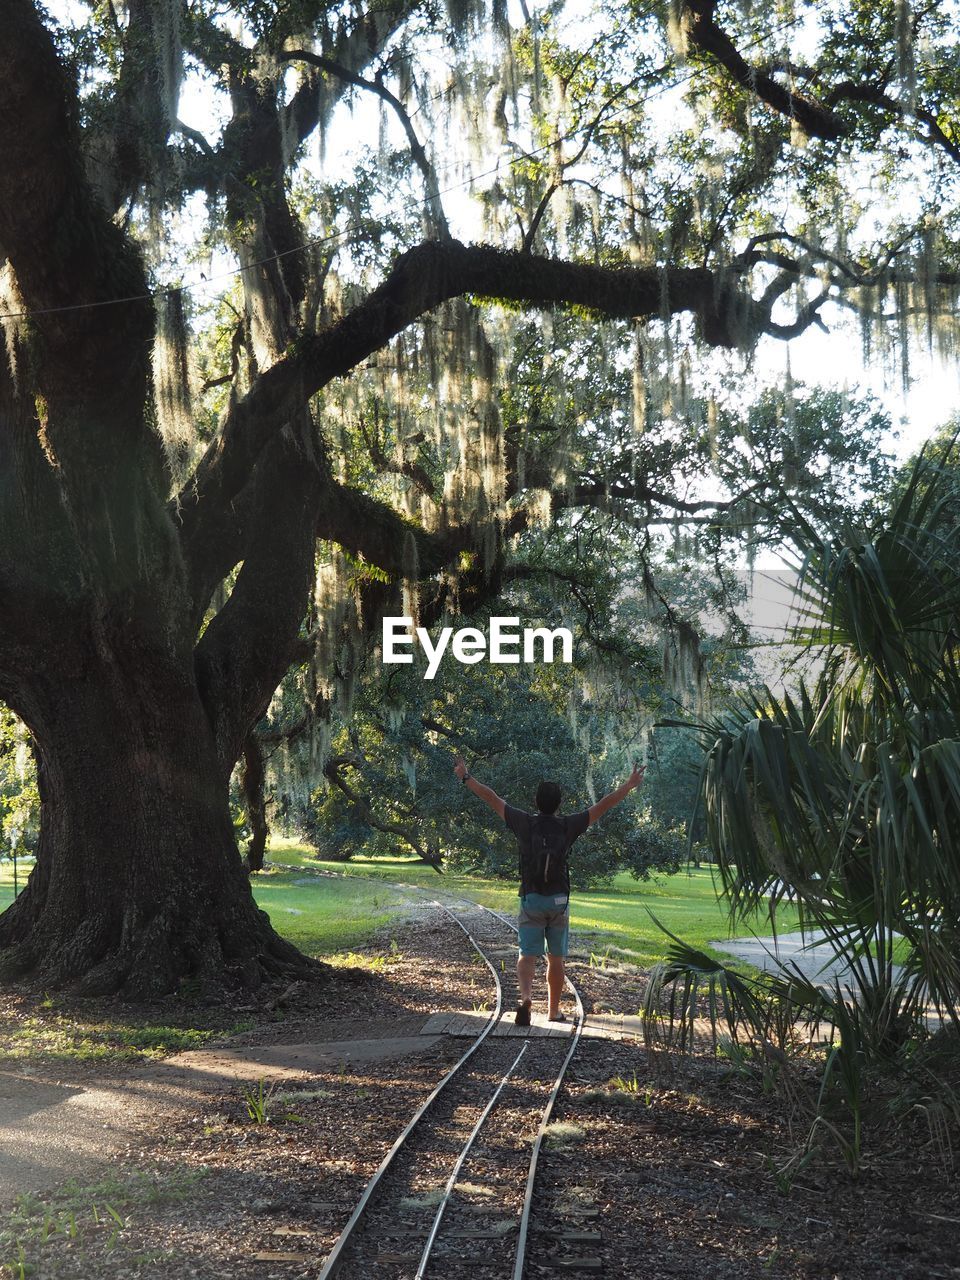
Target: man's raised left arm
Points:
(603, 806)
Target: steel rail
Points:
(335, 1256)
(521, 1253)
(455, 1172)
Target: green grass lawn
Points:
(687, 904)
(326, 914)
(24, 867)
(616, 917)
(323, 915)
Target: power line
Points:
(167, 290)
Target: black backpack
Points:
(544, 867)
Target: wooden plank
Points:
(461, 1023)
(457, 1026)
(436, 1024)
(471, 1024)
(531, 1030)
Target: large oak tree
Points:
(153, 597)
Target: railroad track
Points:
(454, 1194)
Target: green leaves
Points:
(691, 984)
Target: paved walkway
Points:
(805, 951)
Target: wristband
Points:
(464, 778)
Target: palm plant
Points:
(846, 795)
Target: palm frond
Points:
(846, 795)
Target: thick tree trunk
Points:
(138, 884)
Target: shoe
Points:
(523, 1013)
(558, 1017)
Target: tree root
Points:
(168, 954)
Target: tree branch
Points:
(531, 233)
(69, 258)
(332, 770)
(252, 780)
(196, 137)
(353, 49)
(363, 526)
(376, 86)
(252, 641)
(813, 117)
(808, 314)
(877, 96)
(420, 280)
(412, 470)
(589, 488)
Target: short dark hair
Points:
(548, 797)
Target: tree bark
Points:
(139, 886)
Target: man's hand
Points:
(637, 776)
(459, 766)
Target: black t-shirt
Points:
(520, 822)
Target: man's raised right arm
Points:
(486, 794)
(607, 803)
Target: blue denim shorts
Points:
(544, 924)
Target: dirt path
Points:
(53, 1128)
(52, 1131)
(670, 1165)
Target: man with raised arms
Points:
(544, 838)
